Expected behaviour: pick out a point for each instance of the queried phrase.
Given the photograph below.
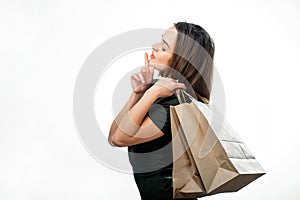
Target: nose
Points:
(155, 46)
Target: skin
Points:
(132, 126)
(163, 50)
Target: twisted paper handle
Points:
(184, 97)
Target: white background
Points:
(44, 43)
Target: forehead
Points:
(170, 36)
(170, 33)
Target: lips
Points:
(152, 56)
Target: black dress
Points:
(152, 161)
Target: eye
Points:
(163, 48)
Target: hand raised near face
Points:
(142, 80)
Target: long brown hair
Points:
(192, 60)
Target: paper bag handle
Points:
(184, 97)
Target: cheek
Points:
(164, 58)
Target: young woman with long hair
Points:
(184, 59)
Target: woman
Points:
(184, 60)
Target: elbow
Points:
(116, 141)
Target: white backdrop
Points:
(44, 43)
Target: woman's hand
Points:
(165, 87)
(142, 80)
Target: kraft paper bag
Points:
(216, 160)
(186, 178)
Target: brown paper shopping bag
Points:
(186, 178)
(221, 159)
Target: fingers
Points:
(141, 77)
(145, 76)
(171, 84)
(135, 77)
(180, 86)
(138, 77)
(151, 68)
(146, 62)
(147, 71)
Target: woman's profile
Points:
(183, 58)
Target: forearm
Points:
(123, 132)
(132, 120)
(134, 98)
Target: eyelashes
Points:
(162, 46)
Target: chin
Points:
(158, 66)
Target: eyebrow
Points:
(165, 41)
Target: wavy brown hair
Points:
(192, 60)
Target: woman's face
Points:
(162, 51)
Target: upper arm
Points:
(147, 131)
